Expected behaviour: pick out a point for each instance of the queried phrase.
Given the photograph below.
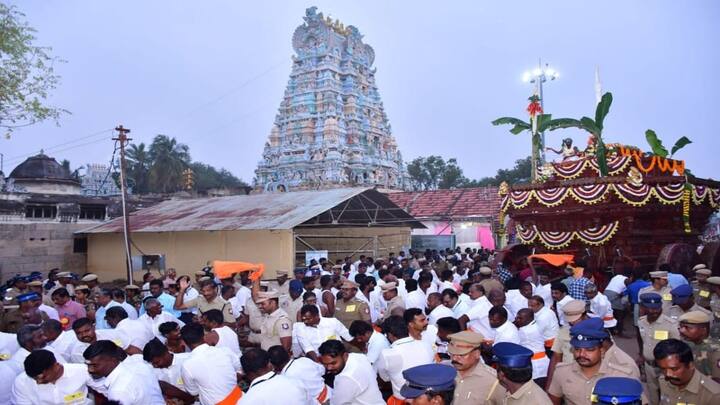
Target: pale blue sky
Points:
(213, 73)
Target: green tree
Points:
(520, 173)
(139, 164)
(169, 159)
(27, 75)
(536, 126)
(207, 177)
(452, 176)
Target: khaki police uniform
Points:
(217, 303)
(653, 333)
(292, 306)
(396, 303)
(570, 383)
(481, 386)
(614, 355)
(701, 390)
(13, 320)
(676, 312)
(561, 344)
(702, 293)
(353, 310)
(707, 357)
(529, 394)
(274, 326)
(490, 284)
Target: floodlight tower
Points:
(538, 76)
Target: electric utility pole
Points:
(123, 139)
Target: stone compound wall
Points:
(27, 246)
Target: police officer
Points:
(617, 390)
(681, 382)
(19, 286)
(573, 381)
(26, 313)
(660, 286)
(515, 371)
(349, 308)
(477, 382)
(276, 327)
(654, 327)
(714, 283)
(395, 303)
(429, 384)
(695, 331)
(684, 301)
(701, 289)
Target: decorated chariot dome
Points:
(42, 174)
(331, 129)
(647, 209)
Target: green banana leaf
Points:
(655, 143)
(679, 144)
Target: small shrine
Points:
(331, 129)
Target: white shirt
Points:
(308, 375)
(617, 284)
(416, 299)
(229, 339)
(138, 332)
(154, 323)
(515, 302)
(547, 322)
(131, 311)
(8, 345)
(376, 344)
(559, 307)
(190, 294)
(237, 307)
(17, 361)
(7, 377)
(211, 383)
(266, 389)
(600, 308)
(113, 335)
(173, 374)
(133, 382)
(403, 354)
(460, 308)
(545, 292)
(70, 388)
(64, 343)
(51, 312)
(440, 311)
(242, 295)
(310, 338)
(507, 332)
(356, 384)
(531, 338)
(478, 318)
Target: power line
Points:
(110, 166)
(60, 145)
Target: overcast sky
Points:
(212, 74)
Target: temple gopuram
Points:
(331, 129)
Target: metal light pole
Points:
(538, 76)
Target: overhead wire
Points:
(110, 167)
(54, 148)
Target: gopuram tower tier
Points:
(331, 129)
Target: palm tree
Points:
(138, 166)
(595, 127)
(169, 159)
(538, 124)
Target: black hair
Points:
(117, 312)
(498, 310)
(537, 299)
(425, 278)
(118, 294)
(669, 347)
(449, 324)
(446, 275)
(559, 287)
(254, 360)
(104, 348)
(214, 315)
(312, 309)
(410, 314)
(278, 356)
(80, 322)
(396, 326)
(308, 294)
(52, 325)
(154, 349)
(157, 283)
(358, 328)
(411, 285)
(436, 295)
(60, 292)
(325, 280)
(25, 334)
(307, 280)
(106, 292)
(224, 289)
(525, 284)
(192, 333)
(167, 327)
(38, 361)
(359, 278)
(450, 293)
(332, 348)
(518, 374)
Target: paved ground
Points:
(628, 343)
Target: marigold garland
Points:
(686, 208)
(595, 236)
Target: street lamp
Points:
(538, 76)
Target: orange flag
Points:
(224, 269)
(556, 260)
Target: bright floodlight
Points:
(526, 77)
(537, 72)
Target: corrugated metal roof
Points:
(447, 204)
(245, 212)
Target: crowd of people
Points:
(448, 327)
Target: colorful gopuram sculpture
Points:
(331, 129)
